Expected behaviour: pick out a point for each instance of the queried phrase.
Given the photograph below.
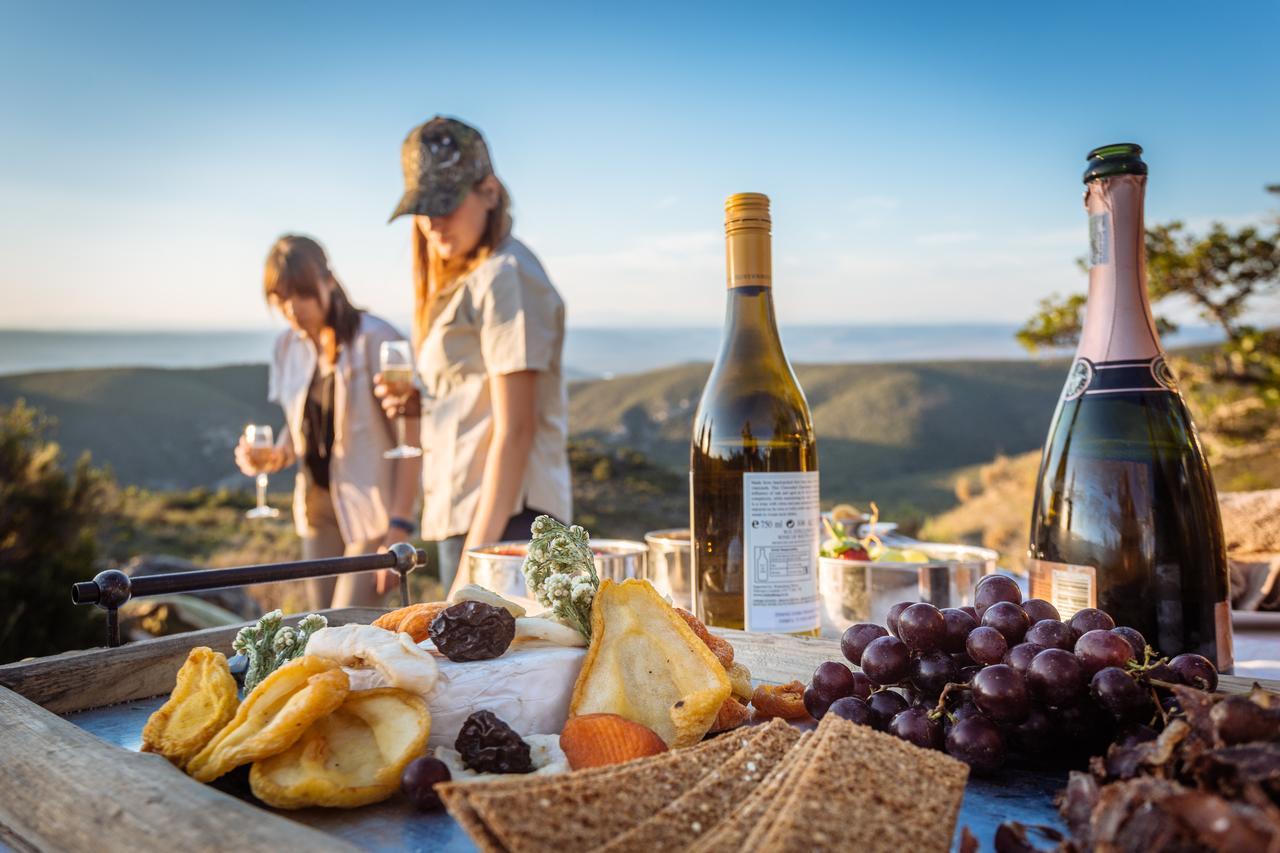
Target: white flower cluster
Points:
(561, 572)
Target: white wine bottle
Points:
(753, 470)
(1126, 516)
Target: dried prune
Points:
(473, 630)
(488, 745)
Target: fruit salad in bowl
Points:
(864, 568)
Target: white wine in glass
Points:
(397, 375)
(261, 447)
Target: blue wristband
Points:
(403, 524)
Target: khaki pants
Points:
(324, 539)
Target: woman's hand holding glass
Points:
(394, 387)
(253, 461)
(256, 453)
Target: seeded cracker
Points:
(588, 808)
(713, 798)
(786, 789)
(906, 798)
(729, 835)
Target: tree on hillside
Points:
(1222, 274)
(47, 522)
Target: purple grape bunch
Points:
(1004, 676)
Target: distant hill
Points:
(163, 429)
(896, 433)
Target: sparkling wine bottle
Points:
(753, 473)
(1126, 516)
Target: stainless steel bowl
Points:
(863, 591)
(670, 567)
(499, 567)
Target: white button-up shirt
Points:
(360, 480)
(503, 317)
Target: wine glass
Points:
(261, 447)
(397, 375)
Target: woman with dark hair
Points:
(488, 334)
(347, 498)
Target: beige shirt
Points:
(503, 317)
(360, 480)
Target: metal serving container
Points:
(670, 567)
(499, 567)
(863, 591)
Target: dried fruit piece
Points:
(395, 656)
(488, 745)
(646, 664)
(349, 758)
(414, 620)
(732, 714)
(780, 700)
(273, 716)
(740, 681)
(719, 646)
(473, 630)
(203, 700)
(595, 740)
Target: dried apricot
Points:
(414, 620)
(732, 714)
(780, 700)
(719, 646)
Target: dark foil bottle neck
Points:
(1106, 161)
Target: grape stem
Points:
(1167, 685)
(940, 710)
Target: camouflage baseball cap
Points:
(442, 160)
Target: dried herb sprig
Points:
(270, 644)
(561, 571)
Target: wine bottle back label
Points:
(1118, 377)
(1067, 587)
(780, 516)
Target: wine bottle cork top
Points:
(746, 211)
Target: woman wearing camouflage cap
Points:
(488, 333)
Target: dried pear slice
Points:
(740, 678)
(203, 700)
(273, 716)
(647, 665)
(350, 758)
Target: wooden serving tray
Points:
(63, 788)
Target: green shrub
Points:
(47, 522)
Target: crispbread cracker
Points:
(904, 797)
(729, 835)
(786, 787)
(455, 801)
(700, 808)
(588, 808)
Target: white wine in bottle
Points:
(753, 471)
(1126, 516)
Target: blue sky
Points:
(924, 163)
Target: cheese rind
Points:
(528, 688)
